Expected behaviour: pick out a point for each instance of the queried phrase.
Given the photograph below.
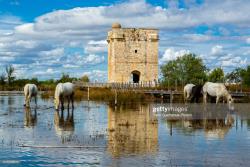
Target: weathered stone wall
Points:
(131, 49)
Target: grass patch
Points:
(102, 94)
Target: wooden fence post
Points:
(88, 93)
(175, 85)
(115, 97)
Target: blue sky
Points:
(45, 38)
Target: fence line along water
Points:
(152, 88)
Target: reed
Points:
(101, 94)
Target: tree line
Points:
(8, 81)
(186, 69)
(191, 69)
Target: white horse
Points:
(64, 90)
(187, 91)
(217, 90)
(30, 90)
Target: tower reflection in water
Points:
(64, 124)
(132, 130)
(30, 119)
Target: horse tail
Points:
(28, 91)
(33, 90)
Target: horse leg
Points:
(197, 99)
(205, 98)
(72, 100)
(68, 97)
(25, 100)
(62, 102)
(36, 100)
(188, 97)
(67, 117)
(217, 99)
(28, 101)
(185, 97)
(192, 99)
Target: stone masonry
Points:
(132, 54)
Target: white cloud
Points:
(96, 47)
(44, 43)
(70, 66)
(234, 62)
(248, 40)
(26, 44)
(96, 75)
(217, 50)
(171, 54)
(77, 60)
(94, 59)
(17, 45)
(93, 22)
(197, 37)
(57, 52)
(6, 58)
(49, 72)
(8, 21)
(221, 57)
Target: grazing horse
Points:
(216, 89)
(196, 93)
(30, 90)
(187, 91)
(64, 90)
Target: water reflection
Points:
(132, 130)
(30, 119)
(214, 120)
(64, 124)
(132, 135)
(10, 100)
(1, 100)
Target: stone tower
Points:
(132, 54)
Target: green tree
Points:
(66, 78)
(85, 78)
(21, 82)
(217, 75)
(245, 73)
(186, 69)
(235, 76)
(10, 73)
(34, 81)
(2, 79)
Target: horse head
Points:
(230, 100)
(56, 103)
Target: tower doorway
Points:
(135, 76)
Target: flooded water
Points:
(95, 134)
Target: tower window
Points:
(136, 51)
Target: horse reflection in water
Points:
(64, 124)
(132, 130)
(215, 122)
(30, 119)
